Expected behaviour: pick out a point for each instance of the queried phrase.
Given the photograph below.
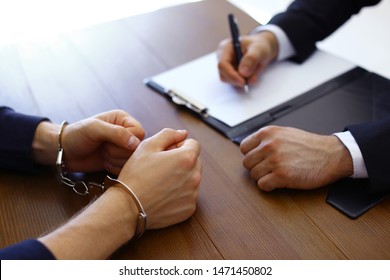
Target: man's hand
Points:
(104, 141)
(165, 174)
(283, 157)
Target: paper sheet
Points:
(281, 82)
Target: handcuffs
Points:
(81, 188)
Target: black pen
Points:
(236, 43)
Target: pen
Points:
(236, 43)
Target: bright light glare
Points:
(31, 19)
(262, 11)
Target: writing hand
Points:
(258, 51)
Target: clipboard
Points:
(239, 132)
(172, 85)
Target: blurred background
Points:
(363, 40)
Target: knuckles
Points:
(188, 160)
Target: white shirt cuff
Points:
(359, 167)
(286, 49)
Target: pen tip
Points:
(246, 88)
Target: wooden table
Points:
(79, 74)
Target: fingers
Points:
(249, 62)
(262, 171)
(228, 74)
(258, 50)
(248, 66)
(256, 57)
(260, 168)
(118, 117)
(115, 158)
(190, 145)
(123, 119)
(252, 158)
(268, 182)
(250, 142)
(165, 139)
(226, 67)
(100, 131)
(262, 158)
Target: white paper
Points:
(281, 82)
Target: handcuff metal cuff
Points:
(79, 187)
(142, 217)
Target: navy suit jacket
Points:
(308, 21)
(16, 136)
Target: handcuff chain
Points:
(61, 169)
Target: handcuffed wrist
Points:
(44, 143)
(82, 188)
(142, 217)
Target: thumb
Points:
(165, 139)
(249, 62)
(114, 134)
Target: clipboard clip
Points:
(179, 98)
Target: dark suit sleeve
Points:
(308, 21)
(30, 249)
(373, 140)
(16, 137)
